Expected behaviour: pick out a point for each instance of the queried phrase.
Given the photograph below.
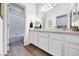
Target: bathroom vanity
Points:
(56, 42)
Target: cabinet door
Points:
(55, 47)
(36, 39)
(43, 37)
(27, 41)
(43, 41)
(71, 45)
(43, 44)
(31, 36)
(56, 44)
(71, 49)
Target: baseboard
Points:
(16, 36)
(25, 44)
(15, 39)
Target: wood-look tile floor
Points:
(18, 49)
(35, 51)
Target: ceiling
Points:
(46, 6)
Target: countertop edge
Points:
(57, 31)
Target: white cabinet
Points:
(72, 38)
(72, 45)
(31, 36)
(43, 41)
(43, 34)
(56, 44)
(71, 49)
(36, 39)
(43, 44)
(55, 47)
(56, 36)
(27, 41)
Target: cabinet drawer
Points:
(43, 40)
(42, 34)
(72, 38)
(56, 36)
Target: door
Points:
(16, 20)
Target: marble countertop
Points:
(56, 31)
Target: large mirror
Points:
(60, 16)
(78, 13)
(75, 15)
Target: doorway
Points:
(16, 22)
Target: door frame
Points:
(6, 28)
(23, 10)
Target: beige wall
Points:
(2, 10)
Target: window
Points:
(61, 21)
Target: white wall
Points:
(30, 16)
